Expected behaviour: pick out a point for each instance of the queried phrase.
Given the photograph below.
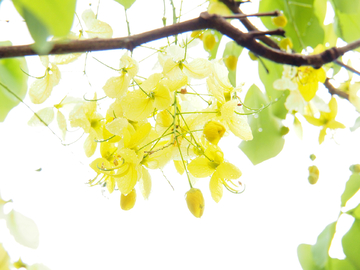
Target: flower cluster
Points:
(157, 120)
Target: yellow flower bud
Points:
(213, 131)
(313, 175)
(279, 21)
(197, 34)
(128, 201)
(231, 62)
(285, 43)
(209, 41)
(195, 202)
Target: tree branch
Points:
(205, 21)
(335, 91)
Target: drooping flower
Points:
(213, 164)
(326, 120)
(41, 89)
(86, 117)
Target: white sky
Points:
(84, 228)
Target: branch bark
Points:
(205, 21)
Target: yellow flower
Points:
(41, 89)
(213, 164)
(195, 202)
(141, 103)
(127, 202)
(85, 116)
(116, 87)
(308, 80)
(326, 120)
(279, 21)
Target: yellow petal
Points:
(110, 184)
(333, 108)
(322, 135)
(227, 170)
(46, 115)
(216, 187)
(201, 167)
(214, 153)
(4, 259)
(140, 135)
(314, 121)
(162, 97)
(41, 89)
(128, 181)
(332, 124)
(198, 69)
(117, 125)
(179, 166)
(215, 90)
(116, 87)
(127, 202)
(137, 105)
(195, 202)
(130, 65)
(145, 183)
(90, 144)
(61, 123)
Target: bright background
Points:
(84, 228)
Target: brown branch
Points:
(335, 91)
(234, 7)
(205, 21)
(338, 62)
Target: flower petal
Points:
(201, 167)
(216, 187)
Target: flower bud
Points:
(213, 131)
(279, 21)
(313, 175)
(195, 202)
(209, 41)
(128, 201)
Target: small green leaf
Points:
(355, 212)
(347, 6)
(320, 251)
(351, 244)
(126, 3)
(275, 72)
(305, 257)
(230, 55)
(12, 78)
(352, 186)
(267, 141)
(304, 26)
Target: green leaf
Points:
(305, 257)
(351, 244)
(347, 23)
(275, 72)
(352, 186)
(347, 6)
(305, 25)
(356, 125)
(336, 264)
(11, 79)
(320, 251)
(56, 16)
(23, 229)
(355, 212)
(230, 55)
(267, 141)
(38, 32)
(126, 3)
